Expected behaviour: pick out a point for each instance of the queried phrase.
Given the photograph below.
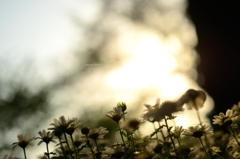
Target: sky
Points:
(156, 64)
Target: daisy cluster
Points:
(73, 140)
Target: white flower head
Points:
(197, 131)
(116, 114)
(46, 137)
(98, 133)
(23, 141)
(223, 119)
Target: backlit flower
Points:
(123, 106)
(197, 131)
(98, 133)
(46, 137)
(215, 150)
(132, 125)
(23, 141)
(236, 107)
(193, 99)
(78, 140)
(116, 114)
(223, 119)
(116, 152)
(176, 133)
(157, 113)
(73, 126)
(61, 124)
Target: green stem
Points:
(90, 146)
(204, 148)
(155, 131)
(65, 136)
(179, 142)
(205, 136)
(74, 147)
(170, 135)
(163, 136)
(234, 135)
(24, 151)
(97, 147)
(47, 151)
(122, 136)
(59, 138)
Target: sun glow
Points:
(153, 64)
(148, 63)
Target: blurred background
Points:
(80, 57)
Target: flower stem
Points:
(90, 146)
(59, 138)
(122, 136)
(204, 148)
(47, 151)
(74, 147)
(65, 136)
(205, 136)
(164, 138)
(155, 131)
(179, 141)
(165, 119)
(97, 147)
(24, 151)
(234, 135)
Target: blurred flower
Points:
(177, 131)
(156, 113)
(193, 99)
(73, 126)
(132, 125)
(223, 119)
(85, 130)
(122, 105)
(42, 157)
(46, 137)
(78, 140)
(116, 114)
(23, 141)
(215, 150)
(116, 152)
(153, 107)
(97, 133)
(158, 148)
(9, 157)
(197, 131)
(236, 107)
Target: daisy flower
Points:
(223, 119)
(236, 107)
(97, 133)
(46, 137)
(116, 114)
(73, 126)
(177, 131)
(197, 131)
(23, 141)
(193, 99)
(132, 125)
(113, 152)
(122, 105)
(157, 113)
(61, 124)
